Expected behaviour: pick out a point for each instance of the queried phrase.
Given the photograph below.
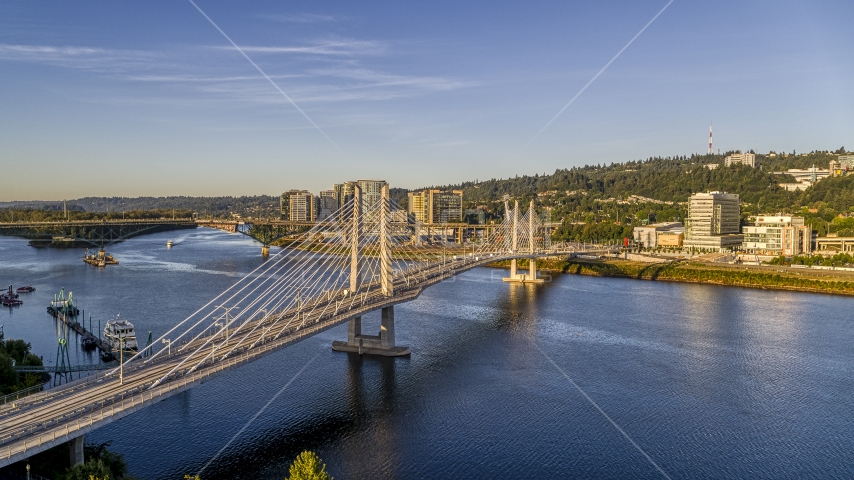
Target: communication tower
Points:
(710, 139)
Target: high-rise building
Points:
(742, 158)
(417, 206)
(436, 206)
(371, 193)
(713, 221)
(327, 204)
(285, 204)
(302, 208)
(778, 235)
(344, 191)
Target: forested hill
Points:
(669, 179)
(256, 206)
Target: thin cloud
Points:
(77, 57)
(200, 79)
(374, 79)
(338, 47)
(300, 18)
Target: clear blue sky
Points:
(148, 98)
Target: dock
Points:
(81, 330)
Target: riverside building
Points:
(327, 204)
(650, 236)
(301, 206)
(713, 222)
(778, 235)
(436, 206)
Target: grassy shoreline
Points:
(799, 280)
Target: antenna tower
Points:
(710, 138)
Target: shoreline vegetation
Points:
(763, 277)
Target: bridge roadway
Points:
(47, 419)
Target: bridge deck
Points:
(41, 421)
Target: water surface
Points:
(709, 381)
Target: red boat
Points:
(11, 302)
(26, 289)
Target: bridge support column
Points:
(529, 277)
(75, 449)
(354, 330)
(382, 344)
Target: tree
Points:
(91, 470)
(308, 466)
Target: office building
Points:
(741, 158)
(327, 204)
(302, 208)
(285, 204)
(650, 236)
(671, 238)
(713, 222)
(371, 193)
(343, 192)
(436, 206)
(778, 235)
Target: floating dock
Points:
(99, 259)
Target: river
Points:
(581, 377)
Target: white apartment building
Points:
(713, 222)
(741, 158)
(778, 235)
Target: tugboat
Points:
(119, 334)
(10, 299)
(99, 259)
(26, 289)
(62, 306)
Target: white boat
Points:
(119, 333)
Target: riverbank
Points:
(765, 277)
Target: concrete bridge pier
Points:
(75, 449)
(530, 277)
(382, 344)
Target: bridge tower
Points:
(531, 276)
(382, 344)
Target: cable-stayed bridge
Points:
(353, 263)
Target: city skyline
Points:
(133, 100)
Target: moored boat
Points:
(10, 299)
(119, 334)
(88, 341)
(11, 302)
(26, 289)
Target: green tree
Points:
(92, 469)
(308, 466)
